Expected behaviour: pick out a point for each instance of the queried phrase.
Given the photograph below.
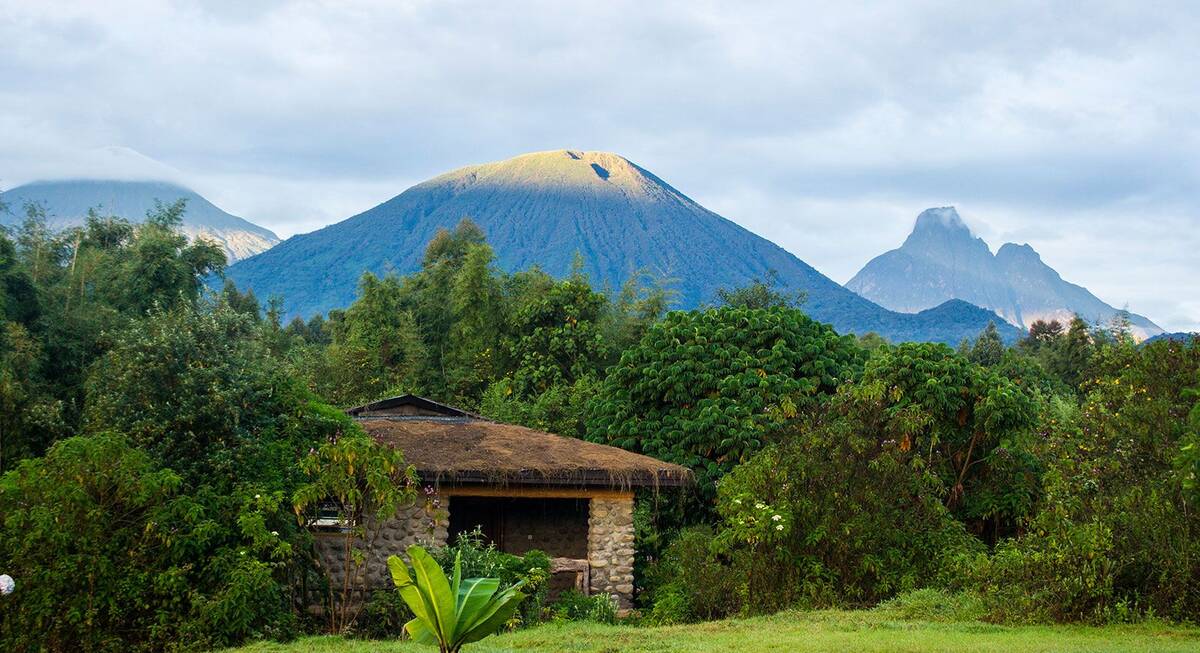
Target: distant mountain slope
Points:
(541, 209)
(1178, 336)
(942, 260)
(67, 204)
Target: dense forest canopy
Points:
(158, 441)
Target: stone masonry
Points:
(422, 523)
(610, 548)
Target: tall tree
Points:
(704, 389)
(470, 361)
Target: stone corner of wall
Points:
(611, 548)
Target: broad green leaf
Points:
(473, 594)
(413, 596)
(420, 633)
(436, 588)
(493, 615)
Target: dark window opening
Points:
(559, 527)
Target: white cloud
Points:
(826, 129)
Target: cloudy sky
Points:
(1073, 127)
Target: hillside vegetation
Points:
(163, 449)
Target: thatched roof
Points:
(471, 450)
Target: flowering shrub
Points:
(750, 521)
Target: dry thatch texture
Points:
(464, 450)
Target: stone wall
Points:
(610, 548)
(610, 545)
(422, 523)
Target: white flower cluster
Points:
(7, 584)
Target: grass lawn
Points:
(866, 630)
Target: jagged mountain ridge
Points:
(67, 203)
(542, 208)
(941, 259)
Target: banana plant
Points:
(451, 612)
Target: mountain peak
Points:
(1023, 253)
(941, 218)
(541, 209)
(941, 260)
(67, 202)
(579, 170)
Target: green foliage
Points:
(475, 306)
(692, 582)
(109, 553)
(376, 349)
(199, 391)
(62, 295)
(162, 268)
(451, 612)
(481, 559)
(561, 409)
(573, 605)
(760, 293)
(972, 426)
(1188, 460)
(365, 484)
(835, 516)
(1116, 537)
(556, 335)
(988, 348)
(704, 389)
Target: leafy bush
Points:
(973, 427)
(483, 560)
(1117, 536)
(833, 517)
(561, 409)
(703, 389)
(383, 616)
(104, 546)
(691, 582)
(573, 605)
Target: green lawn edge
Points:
(803, 632)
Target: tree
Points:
(426, 295)
(376, 348)
(988, 349)
(555, 335)
(1188, 459)
(198, 390)
(113, 554)
(705, 388)
(760, 293)
(972, 426)
(1042, 333)
(1071, 357)
(834, 514)
(476, 310)
(245, 303)
(162, 269)
(1117, 532)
